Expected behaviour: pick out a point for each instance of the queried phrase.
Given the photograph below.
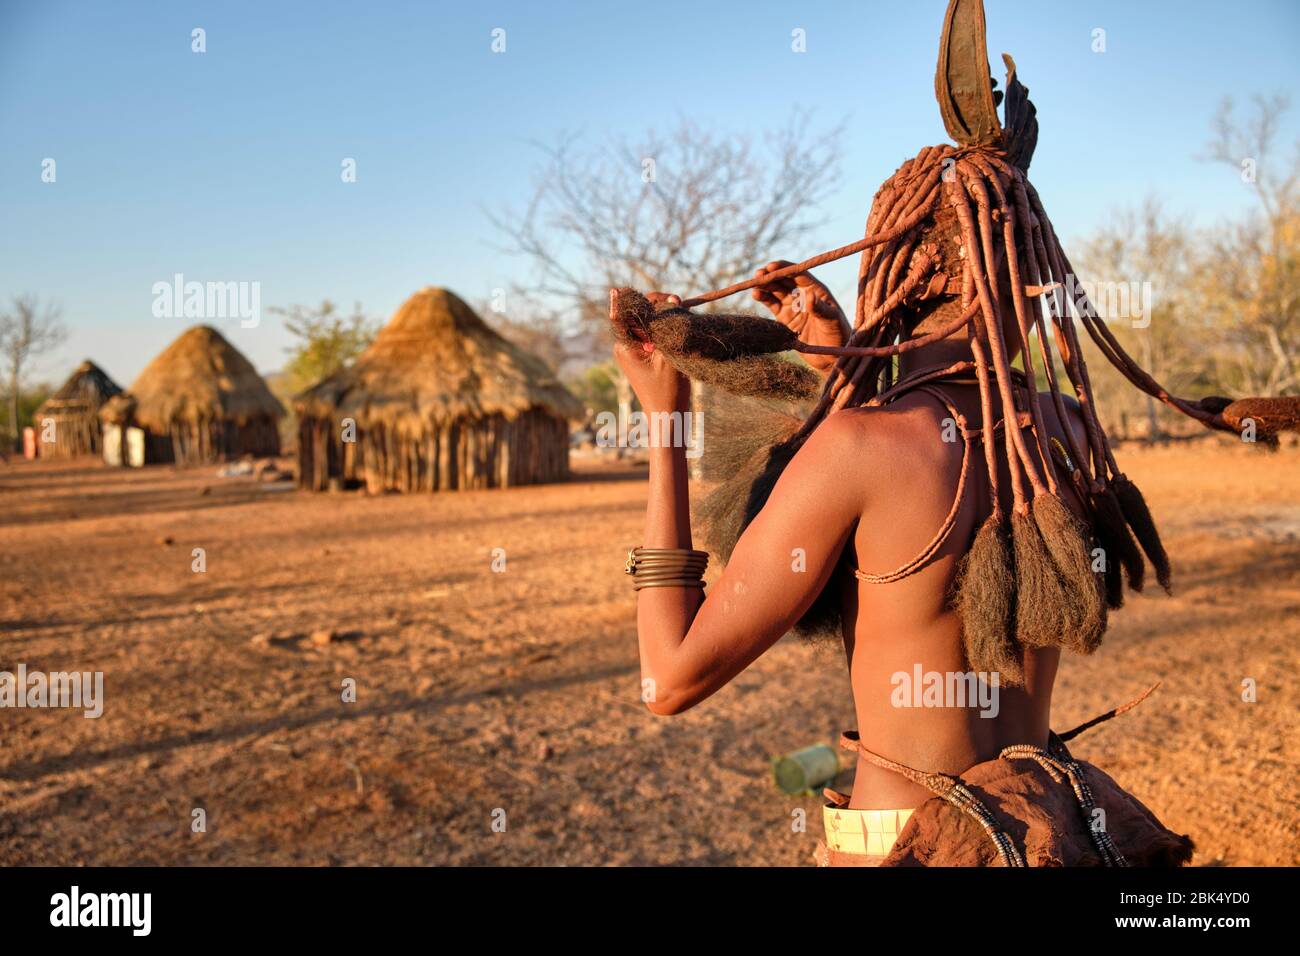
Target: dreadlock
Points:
(959, 234)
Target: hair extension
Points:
(1067, 543)
(985, 591)
(987, 581)
(760, 376)
(1269, 416)
(1138, 516)
(1083, 610)
(1113, 536)
(1112, 573)
(733, 352)
(676, 330)
(1042, 614)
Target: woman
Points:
(867, 491)
(950, 523)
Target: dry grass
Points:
(436, 362)
(518, 690)
(87, 388)
(199, 377)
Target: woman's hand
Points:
(658, 385)
(804, 304)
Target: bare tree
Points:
(682, 212)
(1252, 269)
(1147, 245)
(541, 333)
(27, 330)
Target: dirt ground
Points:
(482, 691)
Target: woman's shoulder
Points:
(885, 436)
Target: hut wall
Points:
(75, 433)
(490, 452)
(211, 441)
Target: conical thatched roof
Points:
(434, 362)
(199, 377)
(86, 390)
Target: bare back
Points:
(908, 626)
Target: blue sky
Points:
(225, 165)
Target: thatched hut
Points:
(198, 401)
(438, 401)
(67, 423)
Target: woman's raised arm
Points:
(692, 646)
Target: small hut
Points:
(439, 401)
(198, 401)
(67, 423)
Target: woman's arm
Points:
(692, 646)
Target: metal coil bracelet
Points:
(666, 567)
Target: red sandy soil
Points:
(518, 691)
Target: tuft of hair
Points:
(631, 316)
(733, 352)
(1113, 536)
(722, 337)
(727, 510)
(1269, 416)
(985, 599)
(1041, 596)
(759, 376)
(1066, 538)
(1113, 577)
(740, 428)
(1134, 508)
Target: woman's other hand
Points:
(804, 304)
